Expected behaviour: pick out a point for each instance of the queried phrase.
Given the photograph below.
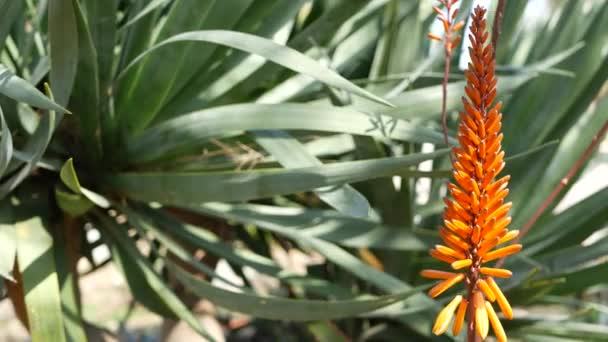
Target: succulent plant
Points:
(190, 133)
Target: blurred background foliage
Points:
(282, 163)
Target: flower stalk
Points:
(476, 217)
(450, 28)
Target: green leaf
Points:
(8, 241)
(146, 285)
(269, 307)
(574, 257)
(6, 144)
(152, 5)
(387, 57)
(73, 204)
(571, 226)
(292, 154)
(35, 148)
(149, 232)
(84, 99)
(587, 95)
(585, 64)
(207, 241)
(63, 39)
(134, 102)
(101, 18)
(352, 43)
(40, 282)
(137, 38)
(20, 90)
(77, 203)
(331, 25)
(326, 225)
(580, 280)
(332, 252)
(268, 49)
(576, 330)
(185, 189)
(271, 19)
(423, 103)
(12, 11)
(326, 332)
(408, 312)
(192, 129)
(531, 151)
(560, 263)
(96, 198)
(139, 35)
(570, 148)
(141, 289)
(66, 240)
(50, 164)
(514, 11)
(68, 176)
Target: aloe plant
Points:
(239, 127)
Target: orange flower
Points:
(449, 25)
(476, 218)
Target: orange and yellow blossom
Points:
(476, 216)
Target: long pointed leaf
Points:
(287, 309)
(292, 154)
(188, 130)
(8, 241)
(63, 38)
(20, 90)
(84, 99)
(167, 299)
(6, 144)
(327, 225)
(37, 268)
(268, 49)
(34, 147)
(191, 188)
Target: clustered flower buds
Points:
(476, 217)
(449, 25)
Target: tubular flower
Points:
(476, 216)
(450, 26)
